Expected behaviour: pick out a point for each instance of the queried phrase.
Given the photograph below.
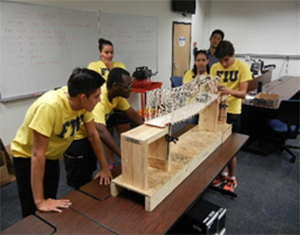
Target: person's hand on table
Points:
(48, 205)
(105, 176)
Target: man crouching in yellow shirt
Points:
(79, 158)
(49, 127)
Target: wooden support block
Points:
(208, 117)
(134, 164)
(225, 129)
(223, 111)
(115, 189)
(158, 163)
(158, 154)
(227, 132)
(136, 145)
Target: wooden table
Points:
(30, 225)
(254, 118)
(285, 87)
(125, 214)
(71, 221)
(102, 192)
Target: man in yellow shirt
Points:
(79, 161)
(234, 76)
(114, 96)
(49, 127)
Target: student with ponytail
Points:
(118, 119)
(200, 66)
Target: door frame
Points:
(173, 26)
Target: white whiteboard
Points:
(41, 45)
(134, 39)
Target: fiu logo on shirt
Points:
(103, 71)
(227, 76)
(73, 124)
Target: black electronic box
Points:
(203, 218)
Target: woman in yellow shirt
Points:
(118, 119)
(106, 63)
(200, 67)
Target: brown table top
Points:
(72, 222)
(29, 225)
(126, 213)
(102, 192)
(285, 87)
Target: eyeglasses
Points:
(126, 86)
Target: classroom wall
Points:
(12, 113)
(242, 22)
(266, 28)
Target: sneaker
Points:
(231, 185)
(111, 166)
(219, 180)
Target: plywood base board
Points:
(190, 151)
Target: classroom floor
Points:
(267, 202)
(268, 195)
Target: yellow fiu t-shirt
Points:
(50, 115)
(188, 76)
(101, 68)
(232, 77)
(104, 109)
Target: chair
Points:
(176, 81)
(286, 126)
